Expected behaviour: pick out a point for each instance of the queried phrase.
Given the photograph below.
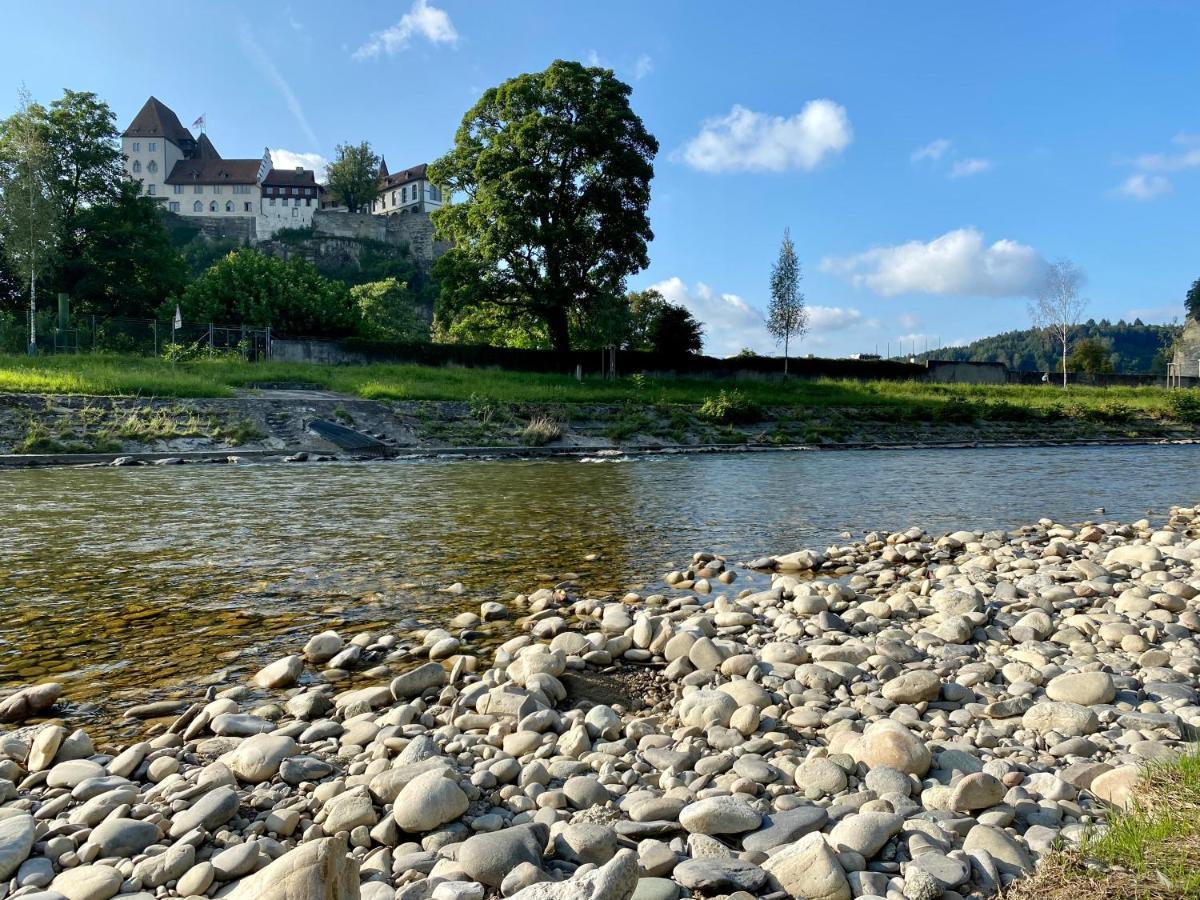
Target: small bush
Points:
(540, 430)
(729, 407)
(1184, 405)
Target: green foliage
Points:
(201, 253)
(1191, 303)
(787, 317)
(1184, 406)
(660, 326)
(29, 215)
(248, 287)
(387, 311)
(1091, 357)
(126, 264)
(730, 406)
(554, 168)
(353, 177)
(1132, 346)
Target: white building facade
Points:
(190, 178)
(406, 191)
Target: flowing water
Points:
(130, 583)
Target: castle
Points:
(191, 179)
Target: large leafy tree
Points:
(126, 264)
(248, 287)
(787, 317)
(553, 173)
(81, 135)
(353, 178)
(1091, 357)
(389, 311)
(1192, 302)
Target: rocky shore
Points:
(907, 717)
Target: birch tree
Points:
(27, 212)
(1058, 308)
(787, 317)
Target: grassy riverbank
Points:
(898, 401)
(1146, 853)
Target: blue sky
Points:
(928, 158)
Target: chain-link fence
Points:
(142, 337)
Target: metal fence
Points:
(142, 337)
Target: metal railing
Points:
(85, 333)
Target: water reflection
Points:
(116, 580)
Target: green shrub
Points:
(1184, 405)
(729, 407)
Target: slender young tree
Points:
(27, 212)
(788, 316)
(1058, 307)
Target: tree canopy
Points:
(1192, 302)
(353, 178)
(552, 170)
(252, 288)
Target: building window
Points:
(217, 189)
(197, 206)
(308, 191)
(137, 166)
(308, 201)
(272, 201)
(179, 189)
(174, 206)
(295, 212)
(152, 166)
(153, 146)
(151, 189)
(137, 147)
(228, 206)
(404, 194)
(247, 206)
(198, 189)
(295, 191)
(212, 207)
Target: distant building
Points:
(406, 191)
(190, 177)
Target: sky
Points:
(929, 159)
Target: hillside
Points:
(1134, 347)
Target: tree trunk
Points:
(785, 356)
(1064, 363)
(560, 333)
(33, 310)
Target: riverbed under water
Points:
(131, 583)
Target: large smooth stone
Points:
(16, 840)
(488, 858)
(719, 815)
(282, 673)
(88, 883)
(429, 800)
(257, 759)
(809, 869)
(317, 870)
(211, 811)
(123, 837)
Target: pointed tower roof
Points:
(383, 167)
(205, 148)
(156, 119)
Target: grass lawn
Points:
(1148, 853)
(889, 400)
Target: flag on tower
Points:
(199, 123)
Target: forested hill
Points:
(1133, 347)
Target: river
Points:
(131, 583)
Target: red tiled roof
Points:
(291, 178)
(416, 173)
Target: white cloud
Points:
(422, 21)
(1145, 184)
(731, 323)
(908, 320)
(833, 318)
(257, 55)
(643, 66)
(1142, 186)
(288, 159)
(969, 166)
(933, 150)
(956, 263)
(749, 141)
(593, 59)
